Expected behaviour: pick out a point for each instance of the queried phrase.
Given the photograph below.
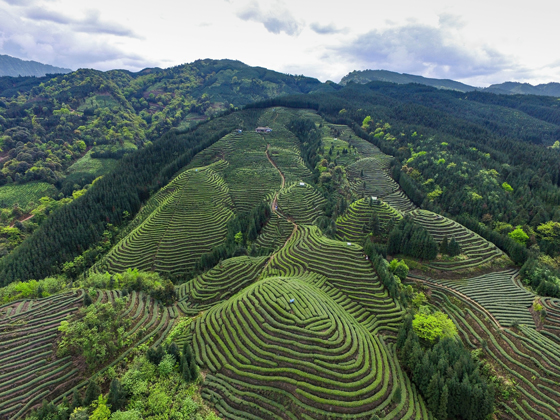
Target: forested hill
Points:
(367, 76)
(506, 88)
(11, 66)
(117, 111)
(545, 89)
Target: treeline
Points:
(447, 376)
(517, 252)
(409, 238)
(310, 138)
(72, 229)
(544, 280)
(241, 230)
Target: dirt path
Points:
(22, 220)
(275, 199)
(274, 208)
(475, 303)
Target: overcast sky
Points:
(478, 42)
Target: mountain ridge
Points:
(12, 66)
(505, 88)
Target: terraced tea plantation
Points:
(184, 220)
(478, 250)
(219, 283)
(527, 361)
(354, 224)
(369, 177)
(301, 203)
(286, 323)
(341, 270)
(285, 349)
(499, 294)
(30, 371)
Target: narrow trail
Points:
(21, 220)
(475, 303)
(275, 199)
(274, 208)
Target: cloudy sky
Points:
(477, 41)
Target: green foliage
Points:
(32, 289)
(446, 374)
(398, 268)
(519, 235)
(507, 187)
(165, 395)
(96, 332)
(132, 279)
(101, 411)
(542, 278)
(419, 300)
(432, 326)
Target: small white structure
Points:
(348, 243)
(263, 130)
(302, 184)
(374, 198)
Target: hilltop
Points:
(15, 67)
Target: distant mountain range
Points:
(508, 88)
(11, 66)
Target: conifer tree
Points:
(76, 400)
(117, 396)
(444, 246)
(443, 399)
(92, 392)
(432, 394)
(87, 300)
(454, 248)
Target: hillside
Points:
(506, 88)
(15, 67)
(515, 88)
(68, 130)
(367, 76)
(283, 298)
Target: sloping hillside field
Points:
(284, 294)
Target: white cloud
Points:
(276, 20)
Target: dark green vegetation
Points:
(507, 88)
(68, 130)
(17, 68)
(318, 271)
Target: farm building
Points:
(263, 130)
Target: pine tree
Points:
(193, 369)
(87, 300)
(92, 392)
(185, 371)
(76, 400)
(432, 394)
(444, 246)
(174, 351)
(117, 396)
(443, 399)
(454, 248)
(374, 225)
